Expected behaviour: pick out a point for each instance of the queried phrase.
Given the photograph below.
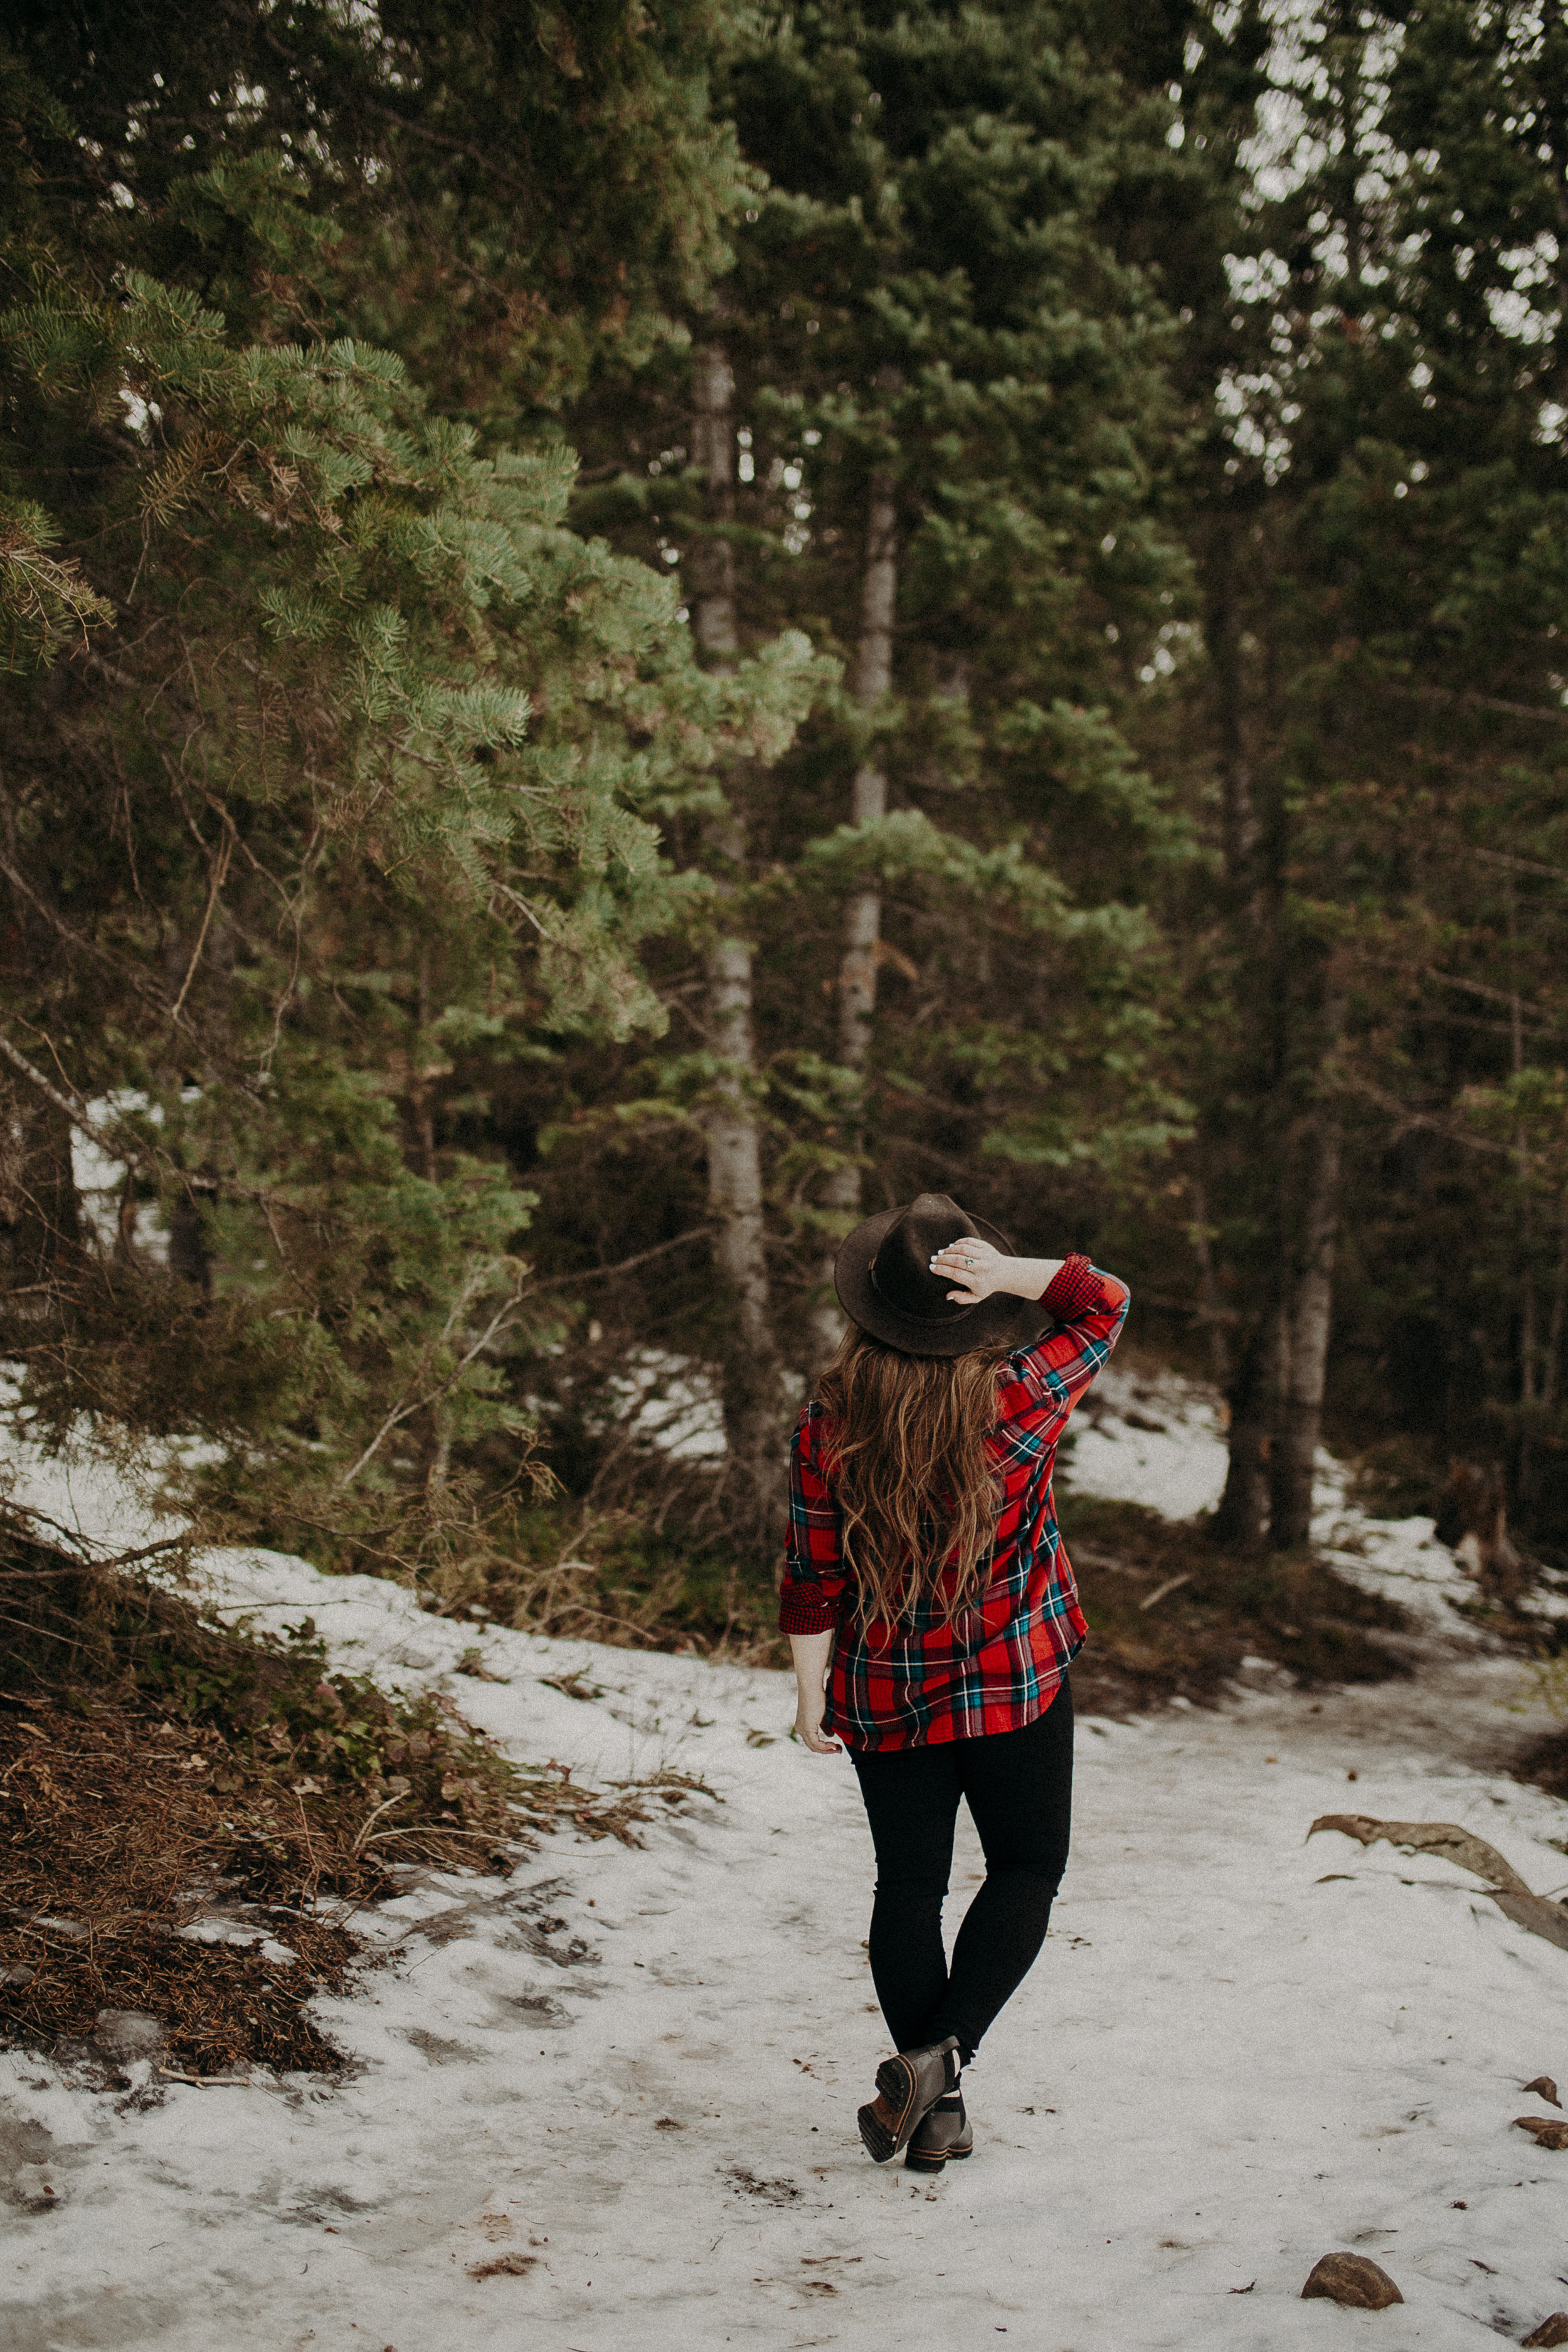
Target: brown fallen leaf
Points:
(504, 2267)
(1544, 2088)
(1445, 1838)
(1550, 2331)
(1351, 2279)
(1546, 2130)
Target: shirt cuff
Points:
(804, 1609)
(1075, 1287)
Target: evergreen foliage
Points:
(337, 753)
(928, 320)
(630, 631)
(1377, 521)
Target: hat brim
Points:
(999, 1322)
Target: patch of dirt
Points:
(1172, 1615)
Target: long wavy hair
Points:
(912, 1473)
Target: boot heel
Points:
(907, 2087)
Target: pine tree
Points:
(922, 423)
(335, 760)
(1386, 445)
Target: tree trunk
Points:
(190, 1257)
(752, 1404)
(1551, 1371)
(863, 909)
(1529, 1348)
(869, 802)
(37, 1174)
(735, 1194)
(1309, 1323)
(710, 566)
(1239, 812)
(1241, 1520)
(1208, 1288)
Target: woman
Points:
(932, 1615)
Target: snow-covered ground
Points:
(1238, 2051)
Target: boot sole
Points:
(885, 2134)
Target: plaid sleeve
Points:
(1049, 1377)
(811, 1594)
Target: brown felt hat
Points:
(883, 1277)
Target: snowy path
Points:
(1221, 2068)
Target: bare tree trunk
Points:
(868, 801)
(710, 566)
(753, 1404)
(37, 1174)
(1241, 1520)
(1529, 1346)
(419, 1076)
(1208, 1288)
(1551, 1371)
(873, 684)
(190, 1254)
(1309, 1324)
(1240, 815)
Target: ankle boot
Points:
(945, 2131)
(907, 2087)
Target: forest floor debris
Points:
(193, 1815)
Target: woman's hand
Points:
(810, 1709)
(813, 1654)
(983, 1270)
(975, 1265)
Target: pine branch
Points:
(114, 1145)
(78, 939)
(603, 1273)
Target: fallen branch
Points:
(1170, 1585)
(114, 1145)
(1507, 1889)
(1446, 1838)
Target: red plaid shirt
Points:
(916, 1681)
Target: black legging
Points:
(1018, 1785)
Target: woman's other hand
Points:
(810, 1709)
(813, 1654)
(974, 1266)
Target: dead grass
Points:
(160, 1774)
(1170, 1614)
(573, 1572)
